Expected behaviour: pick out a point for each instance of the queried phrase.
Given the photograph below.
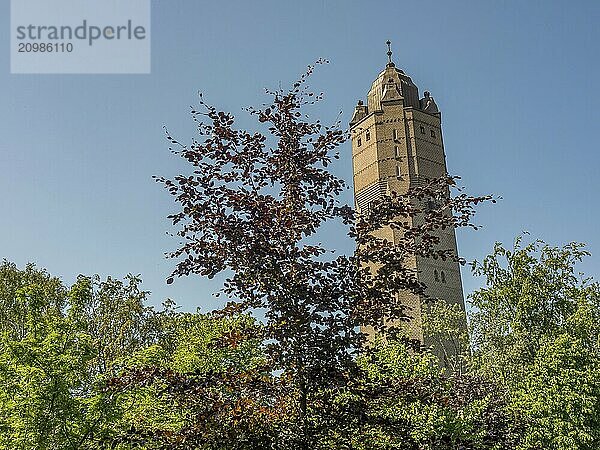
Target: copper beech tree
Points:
(251, 208)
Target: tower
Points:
(397, 143)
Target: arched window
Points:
(443, 277)
(436, 275)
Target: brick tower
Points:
(396, 144)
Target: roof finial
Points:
(389, 52)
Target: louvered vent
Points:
(373, 192)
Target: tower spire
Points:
(389, 53)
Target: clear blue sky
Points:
(517, 83)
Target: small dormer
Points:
(391, 93)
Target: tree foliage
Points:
(61, 345)
(251, 207)
(48, 357)
(536, 330)
(421, 406)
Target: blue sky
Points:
(517, 83)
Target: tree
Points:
(535, 329)
(445, 327)
(17, 288)
(251, 207)
(61, 345)
(199, 375)
(418, 405)
(49, 397)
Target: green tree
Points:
(114, 313)
(19, 289)
(445, 328)
(201, 376)
(49, 398)
(419, 405)
(61, 347)
(536, 330)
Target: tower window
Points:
(396, 151)
(432, 133)
(358, 142)
(395, 134)
(443, 276)
(368, 135)
(436, 276)
(398, 172)
(422, 129)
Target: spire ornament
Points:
(389, 53)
